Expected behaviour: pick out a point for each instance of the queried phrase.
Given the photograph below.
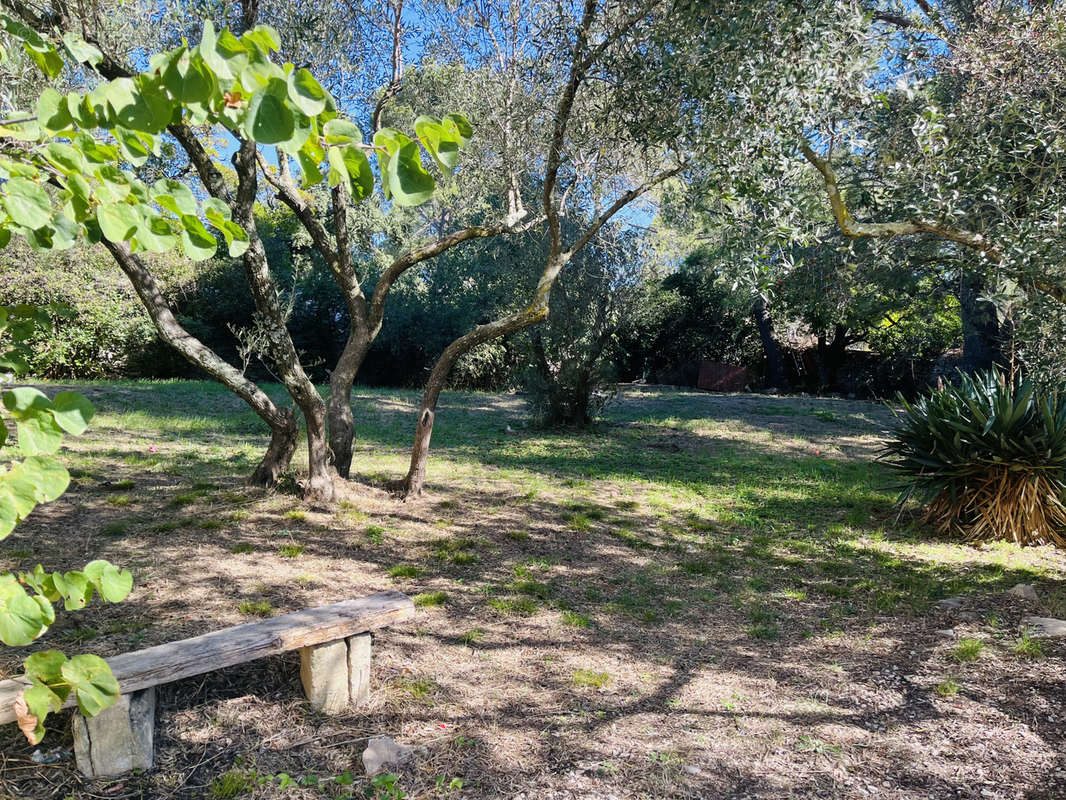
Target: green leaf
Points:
(25, 401)
(307, 93)
(48, 476)
(81, 51)
(390, 140)
(118, 221)
(72, 412)
(155, 235)
(189, 80)
(75, 589)
(47, 59)
(112, 583)
(66, 158)
(91, 678)
(308, 167)
(208, 51)
(359, 171)
(22, 618)
(39, 435)
(174, 196)
(408, 181)
(26, 203)
(5, 237)
(199, 245)
(460, 126)
(268, 120)
(338, 171)
(132, 146)
(442, 143)
(341, 131)
(53, 114)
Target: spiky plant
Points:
(987, 456)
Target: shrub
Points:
(988, 457)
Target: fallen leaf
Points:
(27, 721)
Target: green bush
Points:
(988, 457)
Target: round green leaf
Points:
(38, 435)
(359, 171)
(408, 181)
(118, 221)
(341, 131)
(22, 618)
(26, 203)
(44, 666)
(112, 583)
(48, 476)
(72, 411)
(306, 93)
(268, 120)
(91, 678)
(25, 401)
(53, 114)
(198, 244)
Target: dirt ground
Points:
(708, 597)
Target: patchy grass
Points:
(430, 599)
(968, 650)
(734, 564)
(590, 679)
(256, 608)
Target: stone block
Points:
(119, 738)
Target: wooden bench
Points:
(334, 645)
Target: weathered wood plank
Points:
(223, 648)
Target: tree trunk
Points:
(775, 364)
(831, 356)
(341, 423)
(416, 474)
(283, 441)
(981, 333)
(283, 425)
(283, 353)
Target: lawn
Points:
(707, 596)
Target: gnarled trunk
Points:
(831, 356)
(283, 425)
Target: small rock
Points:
(1025, 591)
(968, 616)
(693, 770)
(1046, 627)
(948, 604)
(384, 753)
(948, 633)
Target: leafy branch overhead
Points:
(68, 181)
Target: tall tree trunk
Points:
(284, 428)
(341, 422)
(416, 475)
(981, 332)
(775, 364)
(272, 318)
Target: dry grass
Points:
(736, 573)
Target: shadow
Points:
(600, 615)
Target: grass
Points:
(291, 550)
(430, 599)
(589, 679)
(967, 650)
(948, 688)
(405, 571)
(242, 547)
(1027, 647)
(256, 608)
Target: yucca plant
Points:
(987, 456)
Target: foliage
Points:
(37, 476)
(225, 80)
(988, 457)
(570, 379)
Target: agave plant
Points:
(987, 456)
